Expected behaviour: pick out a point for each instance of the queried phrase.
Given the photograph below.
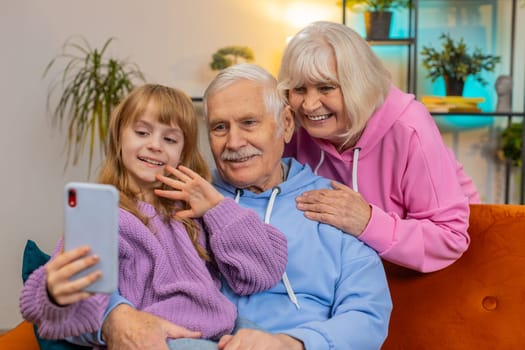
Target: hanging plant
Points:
(90, 86)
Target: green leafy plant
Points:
(230, 55)
(377, 15)
(511, 141)
(455, 62)
(90, 85)
(377, 5)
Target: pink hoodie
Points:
(417, 190)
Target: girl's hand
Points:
(341, 207)
(59, 270)
(191, 188)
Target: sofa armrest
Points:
(22, 337)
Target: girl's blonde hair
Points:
(172, 107)
(362, 77)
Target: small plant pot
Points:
(453, 87)
(377, 24)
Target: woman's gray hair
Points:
(362, 77)
(273, 100)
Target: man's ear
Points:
(288, 123)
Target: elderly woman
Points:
(397, 187)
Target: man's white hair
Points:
(273, 101)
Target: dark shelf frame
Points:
(411, 44)
(508, 165)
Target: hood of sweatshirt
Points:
(297, 178)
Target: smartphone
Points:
(91, 218)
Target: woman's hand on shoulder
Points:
(341, 207)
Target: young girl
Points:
(168, 266)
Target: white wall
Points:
(171, 40)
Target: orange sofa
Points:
(21, 337)
(476, 303)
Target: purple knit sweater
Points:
(160, 272)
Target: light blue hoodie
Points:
(342, 297)
(343, 302)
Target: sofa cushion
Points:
(476, 303)
(32, 259)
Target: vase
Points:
(377, 24)
(453, 86)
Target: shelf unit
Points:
(411, 43)
(509, 116)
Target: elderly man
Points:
(334, 293)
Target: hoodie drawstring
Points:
(238, 194)
(275, 191)
(321, 161)
(287, 285)
(354, 167)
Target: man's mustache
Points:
(245, 152)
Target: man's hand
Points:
(128, 329)
(252, 339)
(341, 207)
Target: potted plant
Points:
(455, 63)
(90, 86)
(511, 142)
(377, 15)
(230, 55)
